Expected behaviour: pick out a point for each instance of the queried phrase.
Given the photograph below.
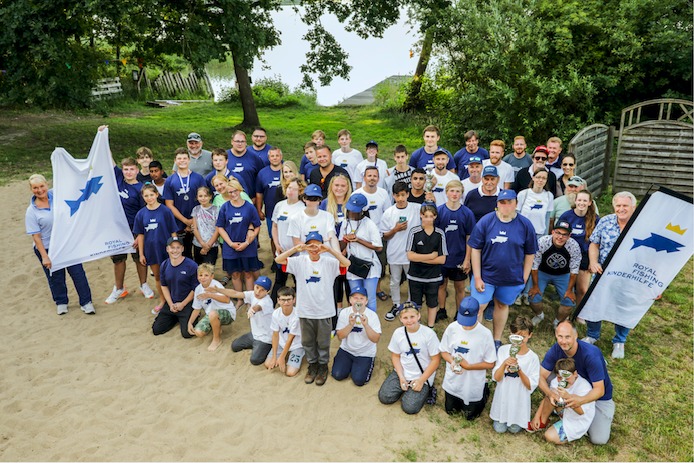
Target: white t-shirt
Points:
(535, 207)
(301, 225)
(286, 325)
(505, 171)
(396, 252)
(357, 342)
(260, 322)
(349, 161)
(378, 203)
(425, 343)
(314, 285)
(475, 345)
(468, 186)
(368, 231)
(208, 305)
(439, 189)
(511, 403)
(383, 171)
(281, 215)
(575, 425)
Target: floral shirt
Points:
(605, 235)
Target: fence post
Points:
(608, 158)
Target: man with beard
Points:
(518, 158)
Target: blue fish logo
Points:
(286, 330)
(91, 188)
(413, 351)
(357, 329)
(313, 280)
(282, 218)
(536, 206)
(462, 350)
(659, 243)
(511, 375)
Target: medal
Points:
(185, 197)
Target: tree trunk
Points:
(250, 114)
(413, 101)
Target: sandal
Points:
(382, 296)
(224, 281)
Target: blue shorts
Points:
(505, 294)
(559, 426)
(242, 264)
(560, 282)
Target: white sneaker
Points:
(88, 308)
(555, 323)
(589, 340)
(61, 309)
(147, 291)
(618, 350)
(518, 301)
(538, 318)
(115, 295)
(526, 299)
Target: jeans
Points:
(371, 285)
(58, 285)
(620, 332)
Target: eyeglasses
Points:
(238, 141)
(540, 158)
(285, 299)
(567, 164)
(259, 136)
(561, 234)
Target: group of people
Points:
(514, 224)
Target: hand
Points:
(135, 244)
(401, 226)
(479, 285)
(535, 423)
(270, 362)
(250, 312)
(261, 214)
(282, 363)
(143, 261)
(533, 291)
(510, 361)
(191, 329)
(417, 384)
(364, 320)
(350, 237)
(570, 400)
(404, 385)
(278, 249)
(429, 196)
(596, 268)
(466, 267)
(174, 307)
(553, 397)
(324, 247)
(352, 319)
(46, 262)
(570, 294)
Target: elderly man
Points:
(474, 168)
(554, 156)
(524, 176)
(591, 366)
(200, 159)
(482, 200)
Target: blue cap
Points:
(475, 160)
(313, 190)
(440, 151)
(467, 312)
(358, 290)
(506, 194)
(490, 171)
(264, 282)
(174, 239)
(314, 236)
(371, 142)
(356, 203)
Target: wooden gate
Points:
(592, 148)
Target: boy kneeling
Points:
(286, 352)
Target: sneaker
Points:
(538, 318)
(441, 315)
(147, 291)
(390, 315)
(589, 340)
(157, 309)
(519, 300)
(88, 308)
(555, 323)
(618, 350)
(115, 295)
(580, 321)
(61, 309)
(311, 373)
(321, 375)
(497, 344)
(526, 299)
(488, 313)
(530, 429)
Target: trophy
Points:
(457, 358)
(429, 184)
(516, 341)
(563, 382)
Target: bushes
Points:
(271, 92)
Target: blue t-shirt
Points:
(130, 197)
(267, 183)
(480, 205)
(504, 247)
(306, 167)
(578, 228)
(179, 188)
(236, 221)
(456, 225)
(590, 364)
(262, 154)
(156, 225)
(462, 159)
(180, 279)
(421, 158)
(210, 176)
(245, 168)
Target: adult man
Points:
(424, 157)
(243, 164)
(554, 156)
(179, 277)
(591, 366)
(526, 175)
(378, 199)
(482, 200)
(518, 158)
(505, 171)
(441, 176)
(474, 168)
(266, 185)
(556, 262)
(472, 147)
(200, 159)
(259, 145)
(326, 169)
(417, 181)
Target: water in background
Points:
(372, 60)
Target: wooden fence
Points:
(169, 84)
(107, 88)
(592, 148)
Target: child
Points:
(467, 346)
(286, 352)
(426, 251)
(260, 314)
(219, 310)
(371, 160)
(347, 157)
(359, 330)
(401, 171)
(205, 232)
(144, 158)
(154, 225)
(396, 223)
(308, 161)
(511, 404)
(158, 176)
(318, 137)
(442, 176)
(415, 355)
(575, 421)
(220, 162)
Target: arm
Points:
(276, 238)
(431, 258)
(282, 258)
(196, 233)
(45, 261)
(344, 262)
(593, 255)
(570, 289)
(418, 383)
(259, 205)
(141, 248)
(193, 316)
(595, 393)
(400, 226)
(228, 292)
(535, 288)
(467, 262)
(370, 332)
(476, 259)
(170, 204)
(527, 265)
(271, 361)
(397, 366)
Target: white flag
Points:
(88, 220)
(648, 257)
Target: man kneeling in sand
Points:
(219, 310)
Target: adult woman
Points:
(221, 186)
(39, 223)
(536, 203)
(339, 191)
(568, 165)
(602, 240)
(289, 172)
(361, 238)
(583, 219)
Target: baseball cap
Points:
(564, 225)
(371, 143)
(576, 181)
(314, 236)
(467, 312)
(264, 282)
(193, 136)
(440, 151)
(541, 149)
(356, 203)
(506, 194)
(313, 190)
(490, 171)
(359, 290)
(475, 160)
(174, 239)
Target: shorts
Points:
(505, 294)
(420, 290)
(204, 324)
(294, 358)
(560, 282)
(559, 426)
(242, 264)
(585, 261)
(118, 258)
(453, 274)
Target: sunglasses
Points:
(540, 158)
(567, 164)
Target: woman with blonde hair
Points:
(288, 173)
(339, 191)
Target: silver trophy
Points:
(516, 341)
(429, 184)
(457, 358)
(562, 382)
